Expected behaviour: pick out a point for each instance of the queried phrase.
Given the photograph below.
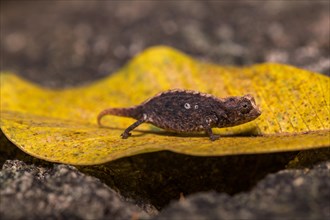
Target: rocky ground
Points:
(288, 194)
(62, 192)
(66, 43)
(58, 192)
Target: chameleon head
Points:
(239, 110)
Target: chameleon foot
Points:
(214, 137)
(125, 135)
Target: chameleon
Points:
(188, 111)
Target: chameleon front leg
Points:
(208, 129)
(212, 136)
(127, 133)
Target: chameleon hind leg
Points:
(127, 131)
(208, 129)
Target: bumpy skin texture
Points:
(186, 111)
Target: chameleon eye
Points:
(245, 107)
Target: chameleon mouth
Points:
(257, 111)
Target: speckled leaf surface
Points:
(60, 125)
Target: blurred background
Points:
(68, 43)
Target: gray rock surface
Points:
(58, 192)
(87, 41)
(62, 192)
(288, 194)
(62, 43)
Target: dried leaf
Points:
(60, 125)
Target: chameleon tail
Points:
(124, 112)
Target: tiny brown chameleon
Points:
(186, 111)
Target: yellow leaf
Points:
(60, 125)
